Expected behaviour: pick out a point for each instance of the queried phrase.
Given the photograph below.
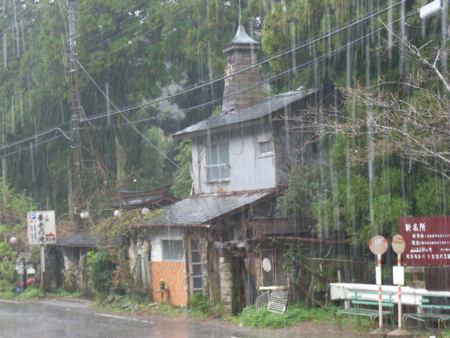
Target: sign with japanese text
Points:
(41, 228)
(427, 240)
(378, 245)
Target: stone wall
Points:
(226, 282)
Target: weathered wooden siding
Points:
(248, 170)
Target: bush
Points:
(7, 262)
(100, 270)
(30, 293)
(198, 302)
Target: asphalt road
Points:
(60, 319)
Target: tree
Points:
(183, 181)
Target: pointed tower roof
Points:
(242, 40)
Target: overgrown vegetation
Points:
(261, 318)
(100, 270)
(200, 306)
(13, 209)
(7, 292)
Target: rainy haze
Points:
(277, 162)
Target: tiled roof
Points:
(201, 210)
(257, 111)
(242, 37)
(79, 240)
(152, 198)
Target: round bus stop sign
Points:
(398, 244)
(378, 245)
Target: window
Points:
(195, 267)
(172, 250)
(264, 138)
(217, 158)
(265, 148)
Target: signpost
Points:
(41, 230)
(399, 245)
(41, 227)
(378, 245)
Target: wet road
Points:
(60, 319)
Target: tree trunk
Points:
(146, 277)
(121, 160)
(132, 260)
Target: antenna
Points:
(240, 12)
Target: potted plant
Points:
(162, 284)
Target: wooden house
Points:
(240, 163)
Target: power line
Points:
(34, 144)
(138, 37)
(268, 59)
(123, 33)
(34, 137)
(303, 65)
(134, 107)
(125, 118)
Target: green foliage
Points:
(183, 180)
(294, 314)
(114, 228)
(7, 262)
(303, 188)
(199, 303)
(62, 293)
(432, 196)
(30, 293)
(100, 270)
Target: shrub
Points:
(198, 302)
(101, 268)
(7, 262)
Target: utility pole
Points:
(76, 191)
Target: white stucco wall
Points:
(248, 170)
(158, 235)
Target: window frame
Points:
(215, 152)
(171, 251)
(266, 153)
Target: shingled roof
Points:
(242, 40)
(81, 239)
(266, 107)
(201, 210)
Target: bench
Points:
(431, 308)
(363, 305)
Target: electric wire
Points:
(278, 75)
(268, 59)
(125, 118)
(137, 37)
(34, 144)
(168, 97)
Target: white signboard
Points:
(41, 227)
(398, 275)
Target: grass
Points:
(295, 314)
(199, 306)
(61, 293)
(6, 292)
(29, 293)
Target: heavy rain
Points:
(211, 168)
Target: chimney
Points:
(245, 89)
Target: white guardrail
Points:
(410, 296)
